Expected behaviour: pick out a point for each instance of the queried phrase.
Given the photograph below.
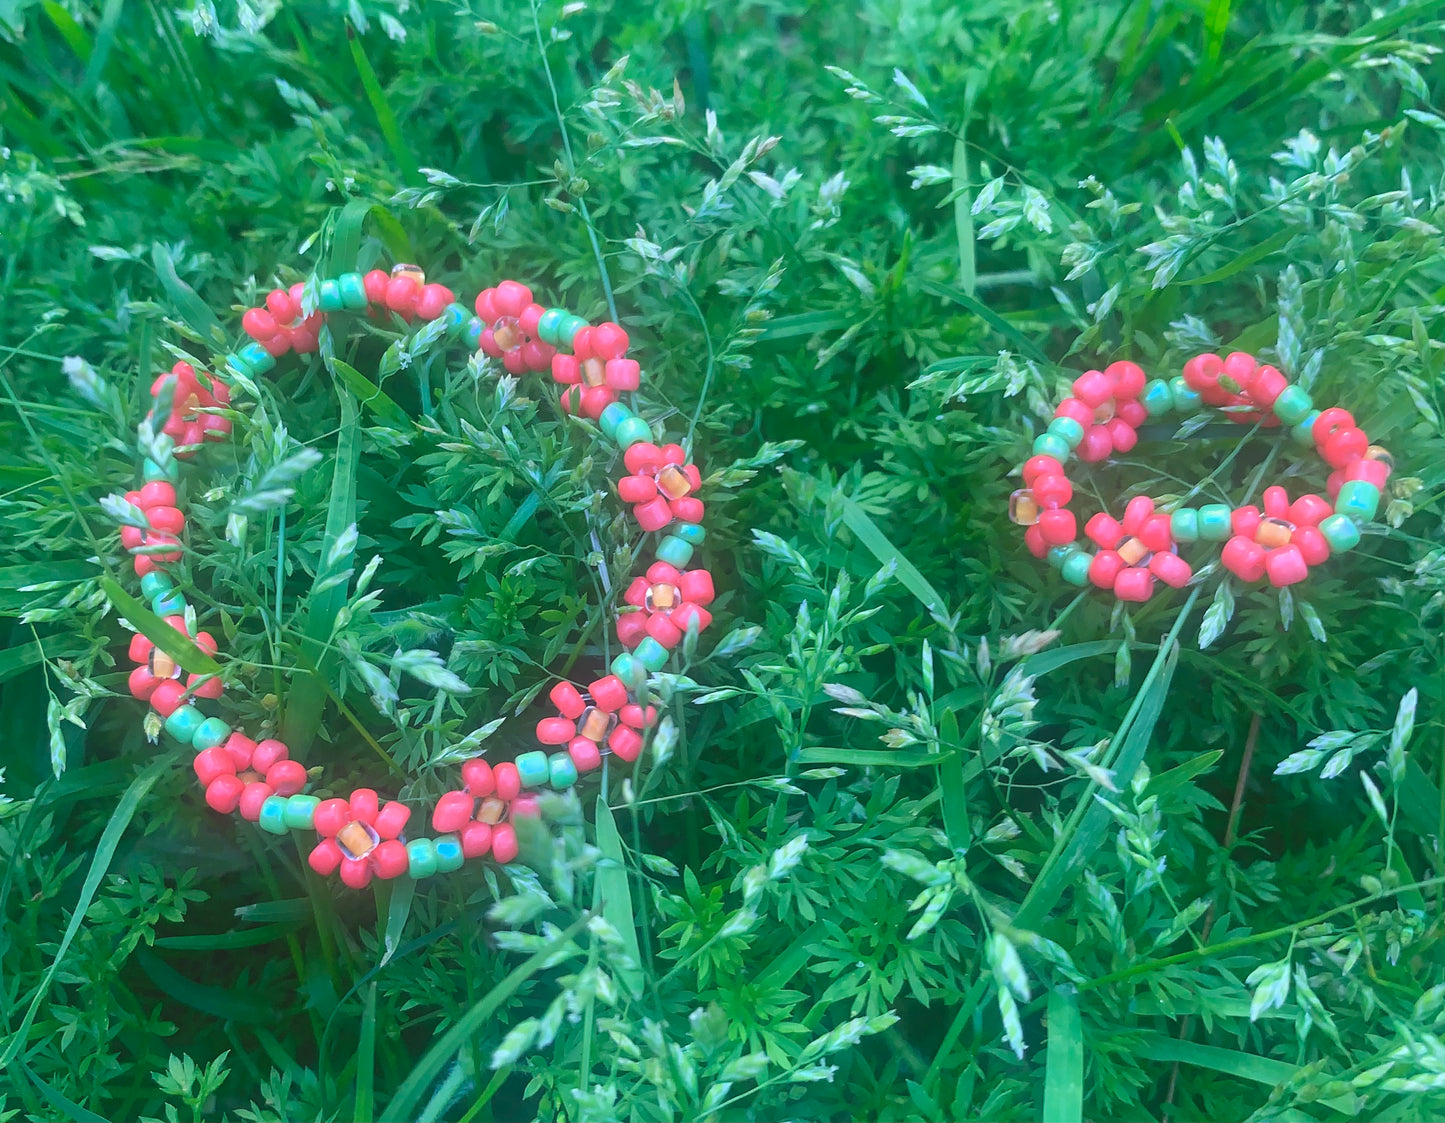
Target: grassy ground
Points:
(928, 836)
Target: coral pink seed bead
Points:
(282, 308)
(391, 820)
(1202, 372)
(402, 294)
(509, 781)
(1244, 557)
(637, 489)
(239, 748)
(568, 700)
(1309, 510)
(258, 323)
(210, 763)
(1134, 584)
(1241, 368)
(555, 730)
(131, 537)
(1156, 533)
(1104, 530)
(1328, 421)
(1036, 466)
(684, 615)
(595, 399)
(477, 776)
(142, 683)
(631, 628)
(696, 586)
(1034, 540)
(433, 301)
(486, 306)
(623, 375)
(661, 573)
(609, 341)
(1276, 502)
(168, 520)
(643, 458)
(452, 812)
(664, 631)
(1244, 521)
(330, 816)
(167, 697)
(1121, 435)
(1285, 565)
(504, 843)
(157, 493)
(1059, 528)
(1376, 472)
(252, 796)
(1096, 445)
(635, 716)
(1093, 388)
(267, 753)
(525, 806)
(566, 369)
(390, 859)
(688, 509)
(287, 776)
(365, 804)
(356, 875)
(654, 514)
(516, 363)
(1268, 385)
(1132, 414)
(1129, 379)
(476, 839)
(202, 686)
(1105, 568)
(375, 283)
(1173, 570)
(609, 693)
(1053, 490)
(537, 355)
(276, 345)
(223, 794)
(1075, 410)
(585, 754)
(1135, 512)
(1314, 548)
(511, 298)
(325, 857)
(1344, 446)
(140, 648)
(626, 743)
(530, 317)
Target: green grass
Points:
(926, 834)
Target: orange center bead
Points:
(594, 372)
(250, 776)
(415, 272)
(1104, 412)
(507, 333)
(162, 665)
(661, 598)
(357, 839)
(1023, 508)
(491, 810)
(1273, 532)
(1134, 552)
(1382, 454)
(672, 481)
(595, 724)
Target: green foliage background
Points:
(925, 836)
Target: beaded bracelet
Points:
(1280, 542)
(361, 836)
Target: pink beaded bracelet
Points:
(1280, 542)
(361, 836)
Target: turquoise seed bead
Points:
(257, 358)
(1156, 397)
(474, 333)
(273, 815)
(1186, 400)
(1057, 555)
(1340, 532)
(549, 324)
(694, 534)
(1359, 499)
(1051, 444)
(236, 363)
(532, 767)
(1292, 405)
(675, 551)
(421, 857)
(455, 316)
(1215, 524)
(301, 812)
(632, 431)
(329, 297)
(1075, 569)
(1067, 428)
(1304, 433)
(629, 669)
(1184, 524)
(561, 772)
(170, 471)
(168, 604)
(652, 654)
(211, 733)
(569, 329)
(154, 583)
(449, 854)
(613, 416)
(353, 291)
(183, 723)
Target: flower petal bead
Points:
(1155, 533)
(1328, 421)
(1345, 445)
(1105, 567)
(1057, 527)
(142, 683)
(1104, 530)
(1128, 379)
(1358, 499)
(1203, 372)
(1138, 509)
(1312, 544)
(1132, 584)
(267, 753)
(1244, 557)
(1093, 388)
(253, 796)
(626, 743)
(1285, 565)
(478, 778)
(1173, 570)
(585, 754)
(389, 859)
(452, 812)
(331, 815)
(1053, 491)
(356, 875)
(287, 776)
(555, 731)
(1244, 521)
(1036, 466)
(1276, 502)
(1132, 414)
(504, 843)
(1121, 435)
(1034, 541)
(391, 820)
(1340, 532)
(223, 794)
(476, 839)
(1075, 410)
(509, 782)
(210, 763)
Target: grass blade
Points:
(867, 532)
(398, 909)
(219, 1002)
(195, 311)
(1025, 345)
(385, 118)
(614, 894)
(235, 938)
(963, 219)
(372, 396)
(951, 787)
(178, 646)
(68, 1108)
(410, 1091)
(99, 865)
(1064, 1059)
(1232, 1062)
(364, 1108)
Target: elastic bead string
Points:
(361, 836)
(1279, 542)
